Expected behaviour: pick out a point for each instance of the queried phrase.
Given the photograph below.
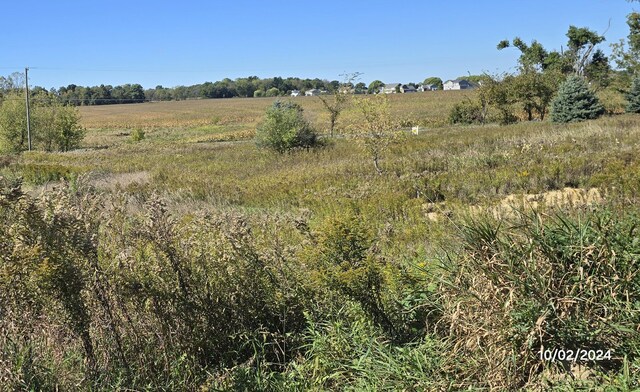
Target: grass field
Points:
(309, 271)
(202, 120)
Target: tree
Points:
(575, 102)
(374, 87)
(633, 97)
(582, 42)
(532, 57)
(272, 92)
(334, 106)
(285, 128)
(377, 130)
(68, 131)
(497, 92)
(434, 80)
(629, 59)
(340, 100)
(598, 70)
(534, 91)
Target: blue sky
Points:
(187, 42)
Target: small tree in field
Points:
(575, 102)
(340, 100)
(285, 128)
(377, 130)
(633, 97)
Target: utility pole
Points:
(26, 83)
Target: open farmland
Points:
(205, 120)
(205, 262)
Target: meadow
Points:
(190, 259)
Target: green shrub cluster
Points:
(137, 135)
(285, 128)
(53, 127)
(466, 112)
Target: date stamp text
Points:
(574, 355)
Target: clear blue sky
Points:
(187, 42)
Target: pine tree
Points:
(633, 97)
(575, 102)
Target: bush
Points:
(466, 112)
(633, 97)
(137, 135)
(285, 128)
(53, 126)
(13, 125)
(575, 102)
(272, 92)
(346, 258)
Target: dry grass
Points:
(196, 155)
(432, 106)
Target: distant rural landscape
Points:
(289, 234)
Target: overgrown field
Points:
(185, 258)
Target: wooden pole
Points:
(26, 82)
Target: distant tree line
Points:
(251, 86)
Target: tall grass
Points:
(179, 263)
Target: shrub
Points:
(272, 92)
(346, 258)
(285, 128)
(69, 132)
(13, 125)
(466, 112)
(137, 135)
(633, 97)
(53, 126)
(575, 102)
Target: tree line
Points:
(245, 87)
(251, 86)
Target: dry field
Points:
(236, 118)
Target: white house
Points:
(427, 87)
(312, 93)
(390, 88)
(295, 93)
(457, 84)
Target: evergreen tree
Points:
(633, 97)
(575, 102)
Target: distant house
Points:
(312, 93)
(390, 88)
(457, 84)
(407, 89)
(427, 87)
(295, 93)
